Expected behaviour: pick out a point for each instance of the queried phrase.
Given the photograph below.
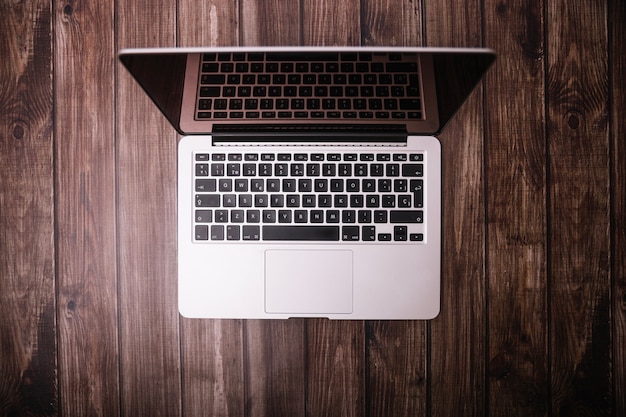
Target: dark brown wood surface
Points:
(533, 319)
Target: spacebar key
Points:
(301, 233)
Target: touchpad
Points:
(308, 281)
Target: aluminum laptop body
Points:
(309, 179)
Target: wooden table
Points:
(533, 319)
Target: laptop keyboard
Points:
(309, 196)
(282, 86)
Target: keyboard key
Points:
(205, 185)
(207, 200)
(350, 233)
(202, 232)
(217, 232)
(251, 233)
(233, 232)
(301, 233)
(406, 216)
(204, 216)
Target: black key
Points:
(253, 216)
(412, 170)
(217, 170)
(229, 200)
(406, 216)
(237, 216)
(300, 216)
(352, 185)
(401, 67)
(332, 216)
(217, 232)
(400, 233)
(321, 185)
(205, 185)
(209, 91)
(207, 200)
(410, 104)
(221, 216)
(233, 232)
(289, 185)
(350, 233)
(365, 216)
(384, 237)
(380, 216)
(251, 233)
(348, 216)
(204, 216)
(417, 186)
(301, 233)
(202, 232)
(202, 170)
(305, 185)
(416, 237)
(284, 216)
(368, 233)
(317, 216)
(389, 201)
(213, 79)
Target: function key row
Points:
(306, 67)
(332, 157)
(313, 56)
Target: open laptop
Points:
(309, 179)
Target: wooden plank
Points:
(391, 23)
(396, 375)
(275, 368)
(457, 336)
(85, 177)
(617, 13)
(335, 368)
(212, 368)
(516, 210)
(335, 350)
(28, 374)
(271, 22)
(146, 183)
(580, 331)
(395, 360)
(274, 350)
(328, 22)
(211, 350)
(208, 23)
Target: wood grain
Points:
(533, 317)
(86, 222)
(391, 23)
(275, 364)
(331, 23)
(617, 69)
(335, 368)
(211, 350)
(146, 173)
(577, 76)
(396, 380)
(395, 358)
(271, 22)
(335, 350)
(516, 177)
(462, 321)
(28, 374)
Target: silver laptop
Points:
(309, 179)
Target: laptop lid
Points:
(171, 78)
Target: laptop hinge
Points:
(309, 133)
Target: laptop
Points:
(309, 178)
